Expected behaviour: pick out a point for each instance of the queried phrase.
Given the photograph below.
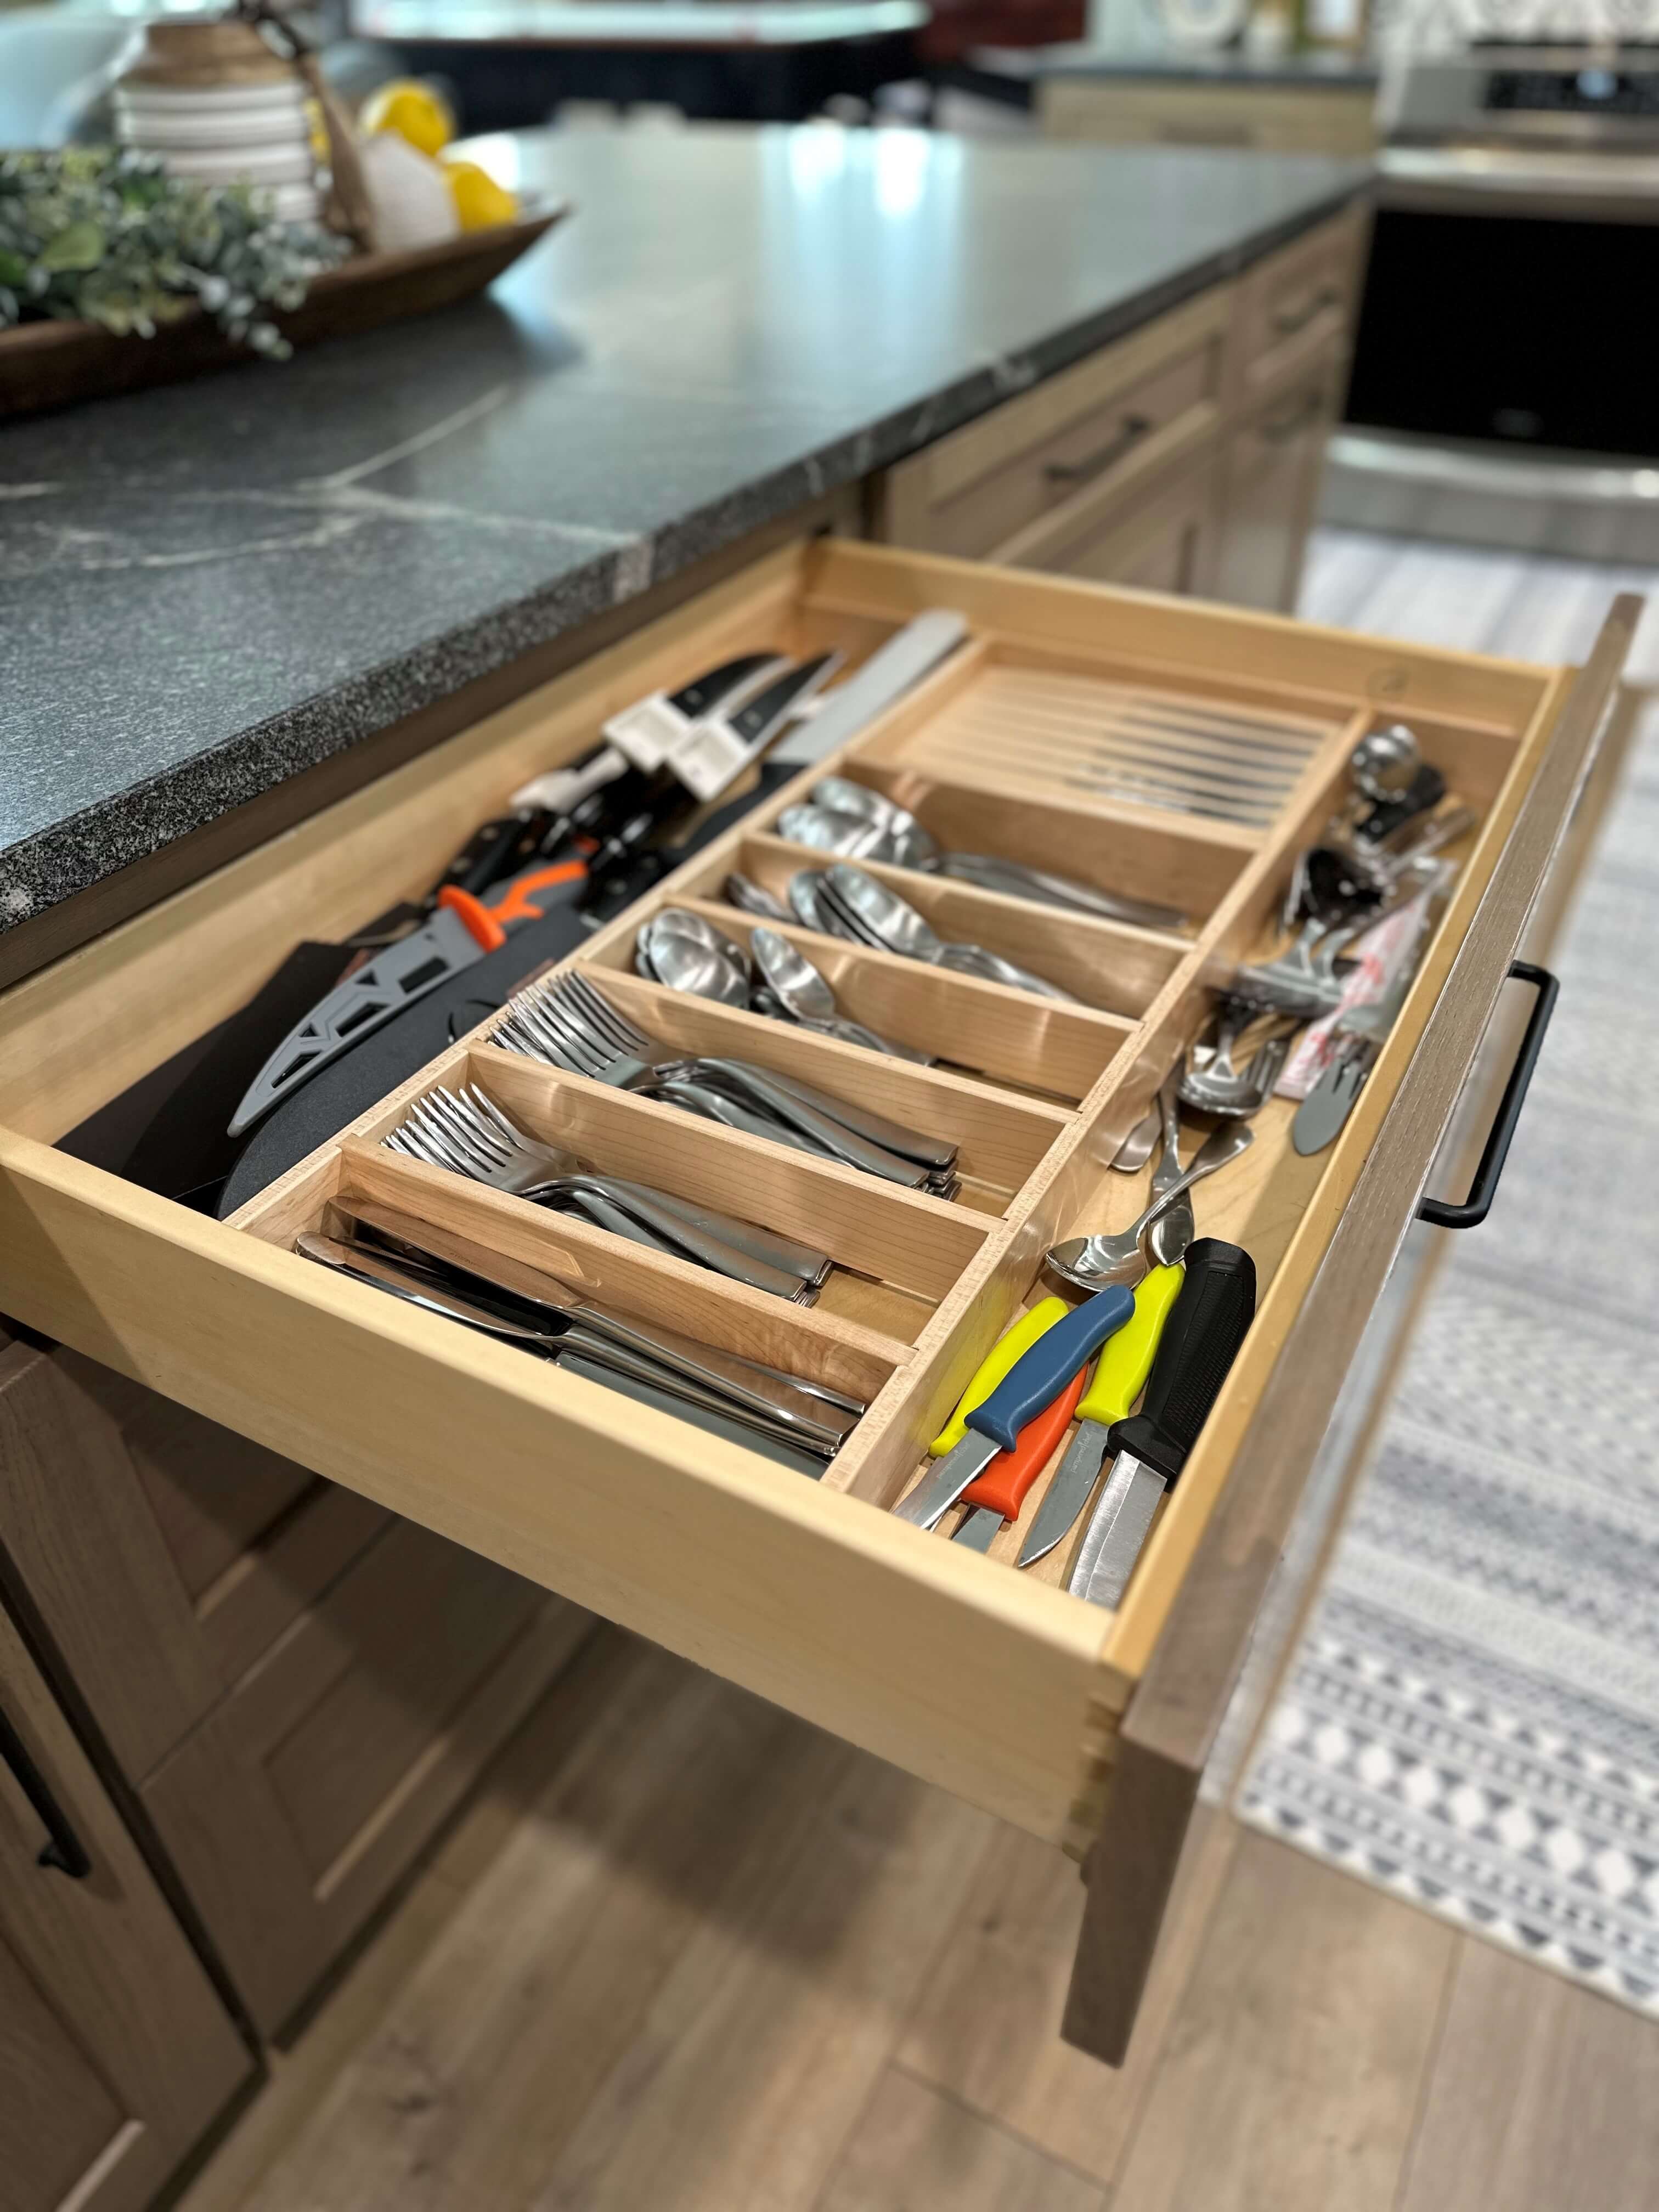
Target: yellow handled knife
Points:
(1126, 1361)
(1011, 1346)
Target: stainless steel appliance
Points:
(1515, 259)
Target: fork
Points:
(1220, 1086)
(468, 1134)
(566, 1020)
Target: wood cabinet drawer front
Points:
(810, 1592)
(1160, 540)
(1092, 432)
(115, 2051)
(1299, 301)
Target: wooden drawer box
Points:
(1094, 433)
(996, 1684)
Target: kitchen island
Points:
(215, 589)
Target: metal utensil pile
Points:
(467, 1133)
(802, 1422)
(686, 952)
(840, 901)
(568, 1022)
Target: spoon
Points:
(676, 921)
(804, 898)
(827, 831)
(891, 920)
(1088, 1263)
(794, 979)
(805, 995)
(752, 898)
(1385, 761)
(842, 796)
(684, 964)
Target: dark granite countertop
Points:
(211, 588)
(1333, 70)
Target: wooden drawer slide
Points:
(812, 1594)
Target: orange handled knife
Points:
(998, 1494)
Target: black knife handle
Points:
(499, 849)
(1208, 1322)
(1426, 790)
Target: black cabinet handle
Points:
(63, 1849)
(1136, 428)
(1478, 1205)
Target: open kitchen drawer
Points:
(994, 1683)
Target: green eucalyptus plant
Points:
(94, 233)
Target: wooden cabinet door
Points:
(299, 1684)
(1272, 468)
(115, 2052)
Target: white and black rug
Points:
(1471, 1719)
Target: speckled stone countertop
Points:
(208, 589)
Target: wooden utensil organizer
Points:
(1037, 1094)
(993, 1682)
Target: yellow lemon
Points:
(480, 202)
(414, 110)
(317, 131)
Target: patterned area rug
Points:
(1472, 1717)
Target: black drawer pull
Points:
(63, 1849)
(1478, 1205)
(1289, 320)
(1136, 428)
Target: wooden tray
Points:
(994, 1683)
(51, 364)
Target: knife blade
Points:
(888, 674)
(1011, 1344)
(1035, 1381)
(1120, 1377)
(1208, 1323)
(1000, 1492)
(465, 928)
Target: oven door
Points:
(1489, 318)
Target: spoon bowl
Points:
(1089, 1263)
(891, 920)
(750, 897)
(1385, 761)
(792, 978)
(684, 964)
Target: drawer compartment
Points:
(810, 1592)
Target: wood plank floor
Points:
(684, 1954)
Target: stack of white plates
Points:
(256, 133)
